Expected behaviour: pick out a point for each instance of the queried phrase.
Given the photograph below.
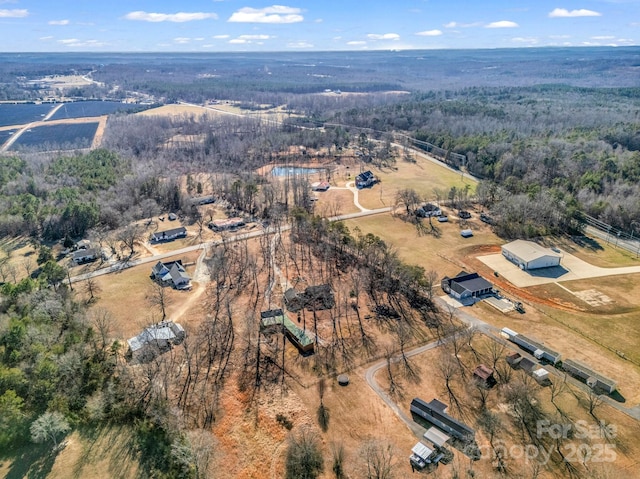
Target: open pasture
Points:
(21, 113)
(62, 136)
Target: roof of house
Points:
(365, 176)
(227, 223)
(83, 253)
(435, 409)
(468, 282)
(169, 233)
(438, 405)
(587, 370)
(157, 332)
(178, 273)
(535, 344)
(528, 250)
(271, 313)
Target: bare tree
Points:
(304, 457)
(101, 320)
(323, 411)
(447, 370)
(409, 198)
(92, 288)
(557, 388)
(337, 451)
(158, 297)
(27, 264)
(378, 460)
(594, 401)
(130, 235)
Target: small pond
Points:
(295, 170)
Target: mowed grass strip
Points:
(424, 176)
(439, 253)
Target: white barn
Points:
(529, 255)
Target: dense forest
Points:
(581, 146)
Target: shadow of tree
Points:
(116, 441)
(32, 461)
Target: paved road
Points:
(122, 265)
(370, 374)
(630, 245)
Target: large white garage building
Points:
(529, 255)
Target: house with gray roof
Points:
(155, 340)
(168, 235)
(171, 273)
(466, 285)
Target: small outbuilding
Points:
(528, 255)
(320, 186)
(483, 376)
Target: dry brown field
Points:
(125, 296)
(571, 401)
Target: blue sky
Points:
(290, 25)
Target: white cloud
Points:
(356, 43)
(525, 40)
(179, 17)
(74, 42)
(559, 37)
(502, 24)
(564, 13)
(430, 33)
(272, 14)
(603, 37)
(15, 13)
(461, 25)
(254, 37)
(300, 45)
(59, 22)
(318, 20)
(48, 37)
(182, 40)
(245, 39)
(221, 37)
(383, 36)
